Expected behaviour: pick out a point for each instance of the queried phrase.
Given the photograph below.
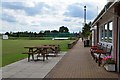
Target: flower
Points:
(108, 60)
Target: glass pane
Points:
(105, 32)
(102, 38)
(110, 31)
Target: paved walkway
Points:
(24, 69)
(78, 63)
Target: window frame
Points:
(109, 31)
(106, 33)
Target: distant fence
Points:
(60, 35)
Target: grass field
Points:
(12, 49)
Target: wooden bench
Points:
(100, 51)
(100, 54)
(93, 49)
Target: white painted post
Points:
(93, 37)
(118, 58)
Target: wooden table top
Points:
(40, 46)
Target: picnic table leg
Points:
(33, 57)
(55, 54)
(44, 54)
(43, 57)
(28, 57)
(47, 57)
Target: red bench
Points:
(98, 53)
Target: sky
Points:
(37, 15)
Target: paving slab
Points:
(32, 69)
(0, 73)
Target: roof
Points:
(102, 12)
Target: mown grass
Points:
(12, 49)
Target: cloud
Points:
(74, 11)
(38, 8)
(77, 10)
(37, 15)
(67, 19)
(8, 18)
(13, 5)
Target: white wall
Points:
(93, 37)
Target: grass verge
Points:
(12, 49)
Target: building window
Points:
(110, 28)
(106, 32)
(102, 33)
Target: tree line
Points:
(63, 32)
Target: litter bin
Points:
(86, 43)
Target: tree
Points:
(41, 33)
(35, 34)
(63, 29)
(7, 33)
(47, 32)
(54, 31)
(86, 30)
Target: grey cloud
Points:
(74, 11)
(8, 18)
(77, 10)
(67, 19)
(30, 11)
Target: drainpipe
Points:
(118, 51)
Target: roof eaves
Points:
(106, 7)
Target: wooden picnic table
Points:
(42, 50)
